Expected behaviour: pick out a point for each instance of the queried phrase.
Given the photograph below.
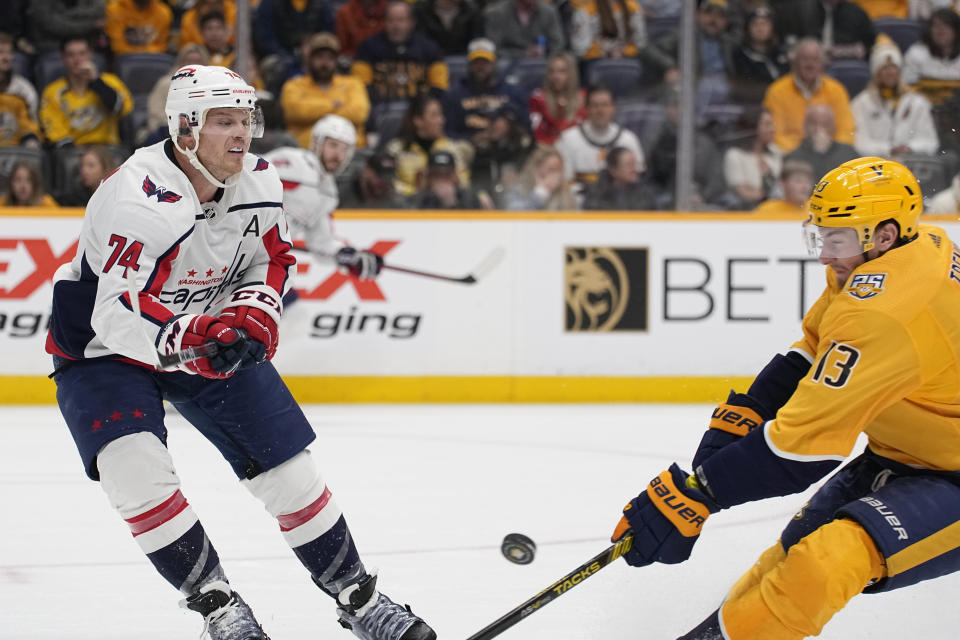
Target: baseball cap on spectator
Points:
(321, 41)
(441, 161)
(482, 48)
(720, 5)
(383, 163)
(885, 52)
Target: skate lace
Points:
(384, 621)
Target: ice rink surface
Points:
(429, 492)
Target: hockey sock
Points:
(798, 596)
(332, 559)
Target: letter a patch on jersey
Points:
(162, 194)
(866, 285)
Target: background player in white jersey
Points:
(310, 193)
(185, 245)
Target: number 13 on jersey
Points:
(836, 365)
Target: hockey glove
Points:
(362, 264)
(730, 421)
(666, 519)
(186, 331)
(256, 310)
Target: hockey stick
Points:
(162, 360)
(556, 589)
(486, 265)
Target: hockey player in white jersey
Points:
(186, 245)
(310, 193)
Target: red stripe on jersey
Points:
(280, 259)
(289, 185)
(293, 520)
(164, 512)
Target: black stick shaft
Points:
(204, 350)
(468, 279)
(555, 590)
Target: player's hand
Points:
(188, 331)
(730, 421)
(255, 309)
(259, 326)
(362, 264)
(666, 519)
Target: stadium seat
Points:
(66, 166)
(903, 32)
(622, 75)
(457, 66)
(932, 172)
(22, 65)
(385, 120)
(646, 119)
(527, 73)
(10, 156)
(49, 67)
(852, 74)
(140, 71)
(657, 27)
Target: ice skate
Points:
(373, 616)
(226, 616)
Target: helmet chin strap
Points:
(195, 162)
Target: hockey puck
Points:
(518, 548)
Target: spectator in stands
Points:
(947, 201)
(752, 172)
(819, 147)
(714, 43)
(13, 83)
(357, 20)
(932, 65)
(16, 126)
(421, 133)
(307, 98)
(607, 29)
(923, 9)
(788, 98)
(542, 185)
(662, 8)
(373, 187)
(560, 103)
(24, 188)
(892, 119)
(157, 100)
(138, 26)
(399, 62)
(886, 8)
(84, 106)
(619, 187)
(708, 189)
(760, 59)
(191, 29)
(216, 39)
(585, 146)
(843, 28)
(440, 187)
(50, 22)
(796, 185)
(470, 104)
(452, 24)
(280, 27)
(500, 153)
(524, 28)
(96, 163)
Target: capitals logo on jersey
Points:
(261, 164)
(162, 194)
(866, 285)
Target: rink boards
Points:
(565, 307)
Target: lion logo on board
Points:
(866, 285)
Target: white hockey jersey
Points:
(310, 197)
(145, 221)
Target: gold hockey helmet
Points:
(859, 195)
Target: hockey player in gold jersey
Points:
(880, 355)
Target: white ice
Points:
(429, 492)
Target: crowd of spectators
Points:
(503, 104)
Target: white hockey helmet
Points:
(337, 128)
(196, 89)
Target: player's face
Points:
(333, 153)
(837, 248)
(224, 140)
